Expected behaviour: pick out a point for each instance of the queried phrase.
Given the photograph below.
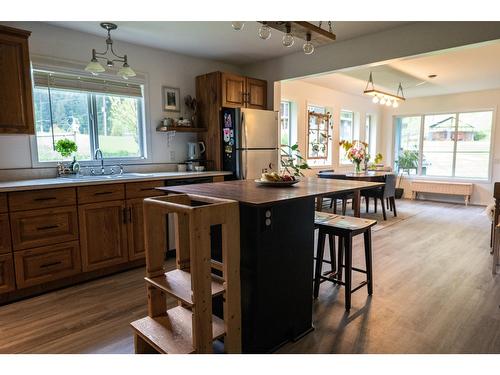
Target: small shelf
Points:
(173, 333)
(182, 129)
(177, 283)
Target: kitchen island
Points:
(276, 249)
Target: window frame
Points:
(315, 163)
(145, 135)
(288, 103)
(343, 161)
(421, 145)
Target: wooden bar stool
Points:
(345, 228)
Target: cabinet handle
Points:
(147, 189)
(48, 227)
(103, 192)
(50, 264)
(248, 97)
(44, 199)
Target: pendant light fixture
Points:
(238, 25)
(308, 47)
(288, 39)
(381, 97)
(95, 66)
(264, 31)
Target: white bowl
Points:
(199, 168)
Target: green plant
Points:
(378, 158)
(65, 147)
(292, 161)
(407, 160)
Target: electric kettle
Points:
(195, 150)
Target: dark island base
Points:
(276, 273)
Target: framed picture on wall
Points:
(171, 99)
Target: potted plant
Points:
(292, 161)
(66, 147)
(407, 160)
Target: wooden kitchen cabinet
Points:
(103, 234)
(256, 93)
(5, 246)
(48, 263)
(16, 103)
(239, 92)
(233, 90)
(7, 278)
(135, 229)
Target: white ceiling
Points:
(216, 40)
(463, 69)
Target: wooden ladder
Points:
(190, 327)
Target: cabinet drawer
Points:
(43, 227)
(143, 189)
(4, 234)
(32, 200)
(47, 263)
(3, 203)
(7, 280)
(100, 193)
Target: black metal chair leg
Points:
(333, 257)
(340, 254)
(383, 208)
(368, 260)
(393, 204)
(388, 204)
(367, 201)
(348, 271)
(375, 199)
(319, 261)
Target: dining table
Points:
(368, 176)
(276, 253)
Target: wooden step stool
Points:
(190, 327)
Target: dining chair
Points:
(387, 192)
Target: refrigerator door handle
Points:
(242, 132)
(244, 165)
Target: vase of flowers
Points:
(355, 152)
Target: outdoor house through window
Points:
(93, 112)
(286, 126)
(444, 145)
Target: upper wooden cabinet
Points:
(16, 114)
(238, 91)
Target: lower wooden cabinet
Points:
(4, 234)
(43, 227)
(48, 263)
(103, 234)
(7, 278)
(135, 229)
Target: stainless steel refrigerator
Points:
(250, 142)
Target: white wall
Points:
(479, 100)
(162, 68)
(304, 94)
(406, 40)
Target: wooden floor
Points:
(434, 293)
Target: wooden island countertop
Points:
(248, 192)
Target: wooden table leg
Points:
(356, 201)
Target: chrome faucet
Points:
(97, 154)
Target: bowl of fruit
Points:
(275, 179)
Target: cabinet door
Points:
(256, 90)
(4, 234)
(135, 228)
(16, 114)
(103, 234)
(7, 282)
(233, 90)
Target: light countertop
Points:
(60, 182)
